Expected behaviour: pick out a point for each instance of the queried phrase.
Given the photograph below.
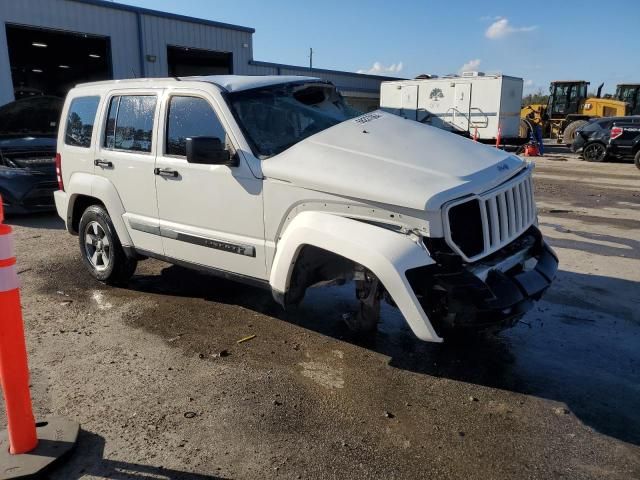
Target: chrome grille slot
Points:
(505, 213)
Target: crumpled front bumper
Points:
(494, 294)
(27, 193)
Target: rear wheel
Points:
(594, 152)
(569, 133)
(101, 250)
(637, 159)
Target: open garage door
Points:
(50, 62)
(183, 62)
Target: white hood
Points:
(384, 158)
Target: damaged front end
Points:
(494, 292)
(27, 180)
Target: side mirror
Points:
(209, 150)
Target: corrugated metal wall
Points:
(125, 27)
(119, 25)
(159, 32)
(344, 80)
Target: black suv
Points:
(624, 141)
(28, 130)
(592, 140)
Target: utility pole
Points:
(310, 58)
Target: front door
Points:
(462, 106)
(210, 215)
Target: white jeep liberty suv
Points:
(275, 181)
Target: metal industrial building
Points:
(47, 46)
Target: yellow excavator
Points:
(569, 108)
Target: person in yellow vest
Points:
(536, 118)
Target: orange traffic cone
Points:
(14, 372)
(23, 457)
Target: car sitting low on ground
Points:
(274, 182)
(624, 141)
(28, 130)
(591, 140)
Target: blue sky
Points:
(538, 41)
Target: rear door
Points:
(125, 156)
(462, 105)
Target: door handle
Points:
(102, 163)
(165, 172)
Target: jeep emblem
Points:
(503, 167)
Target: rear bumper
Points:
(496, 293)
(62, 205)
(617, 151)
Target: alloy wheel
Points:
(97, 246)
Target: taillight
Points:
(615, 132)
(59, 171)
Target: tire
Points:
(569, 133)
(525, 129)
(101, 250)
(636, 159)
(594, 152)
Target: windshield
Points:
(276, 118)
(31, 116)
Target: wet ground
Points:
(162, 389)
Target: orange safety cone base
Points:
(57, 437)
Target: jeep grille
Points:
(479, 226)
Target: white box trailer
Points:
(470, 103)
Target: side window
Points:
(82, 116)
(592, 127)
(190, 117)
(130, 123)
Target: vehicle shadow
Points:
(596, 243)
(580, 346)
(48, 221)
(88, 460)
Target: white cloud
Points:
(379, 69)
(502, 28)
(470, 66)
(528, 83)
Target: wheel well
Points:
(81, 203)
(314, 266)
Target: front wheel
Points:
(594, 152)
(636, 159)
(101, 250)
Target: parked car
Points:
(271, 181)
(591, 140)
(28, 130)
(624, 142)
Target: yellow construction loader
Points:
(569, 108)
(630, 94)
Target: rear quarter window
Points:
(80, 121)
(592, 127)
